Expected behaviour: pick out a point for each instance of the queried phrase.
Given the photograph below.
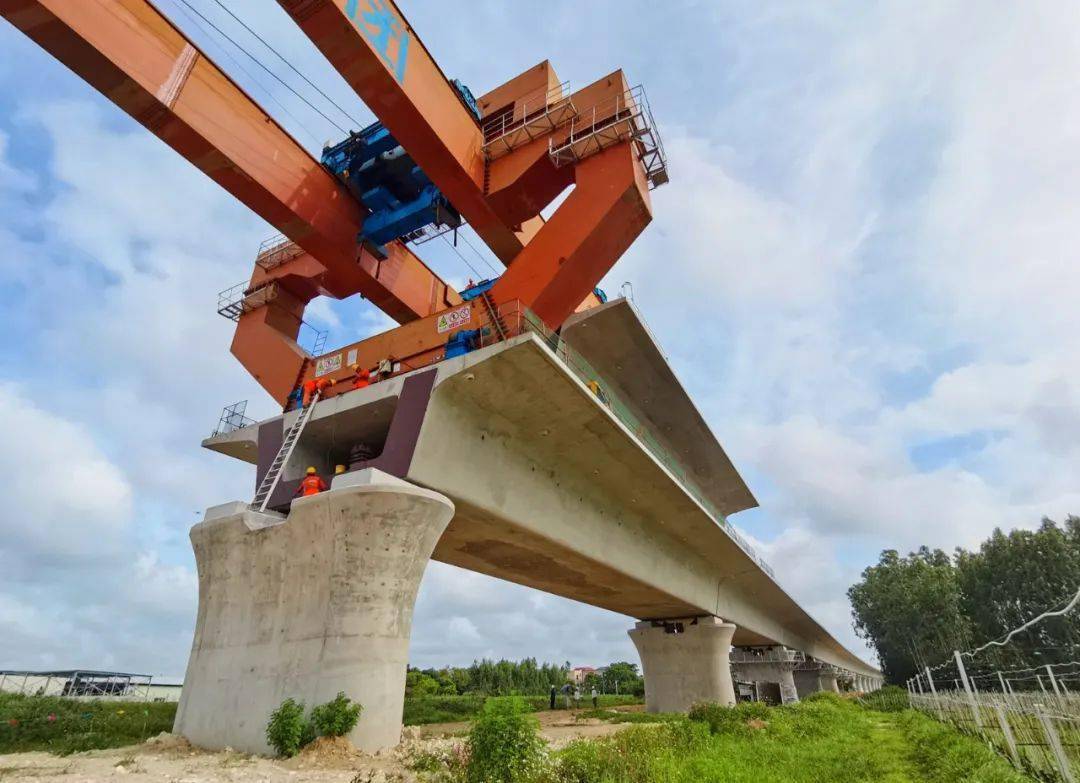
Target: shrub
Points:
(891, 698)
(826, 696)
(729, 720)
(504, 743)
(640, 754)
(337, 717)
(287, 727)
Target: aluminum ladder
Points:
(273, 475)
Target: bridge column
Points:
(810, 679)
(685, 662)
(768, 664)
(306, 606)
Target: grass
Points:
(822, 740)
(64, 726)
(452, 709)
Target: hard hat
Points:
(339, 469)
(310, 471)
(354, 367)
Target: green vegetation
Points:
(64, 726)
(504, 743)
(452, 709)
(286, 729)
(337, 717)
(824, 739)
(934, 603)
(517, 678)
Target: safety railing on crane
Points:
(616, 119)
(537, 114)
(243, 297)
(517, 319)
(233, 418)
(275, 251)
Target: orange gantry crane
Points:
(436, 158)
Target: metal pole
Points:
(1053, 682)
(1055, 745)
(1001, 679)
(1041, 686)
(1006, 729)
(967, 687)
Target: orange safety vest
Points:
(362, 379)
(312, 485)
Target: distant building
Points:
(579, 673)
(88, 684)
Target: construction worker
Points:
(309, 391)
(323, 384)
(362, 378)
(311, 484)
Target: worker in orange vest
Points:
(362, 377)
(312, 484)
(309, 391)
(322, 385)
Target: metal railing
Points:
(242, 298)
(770, 655)
(276, 250)
(1038, 732)
(622, 117)
(233, 418)
(537, 114)
(519, 319)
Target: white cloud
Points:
(864, 252)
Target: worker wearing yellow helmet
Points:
(312, 483)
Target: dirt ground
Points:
(170, 759)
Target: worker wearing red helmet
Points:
(312, 484)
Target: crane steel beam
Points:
(135, 57)
(581, 241)
(373, 47)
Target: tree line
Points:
(523, 678)
(915, 610)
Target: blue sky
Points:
(862, 270)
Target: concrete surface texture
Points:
(320, 603)
(684, 668)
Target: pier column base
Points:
(685, 662)
(307, 606)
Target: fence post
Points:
(1004, 689)
(1055, 745)
(967, 689)
(1053, 681)
(1041, 686)
(1006, 729)
(933, 690)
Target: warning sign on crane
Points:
(455, 319)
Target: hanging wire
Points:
(479, 255)
(464, 260)
(258, 62)
(246, 72)
(292, 67)
(1008, 637)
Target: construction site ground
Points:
(170, 759)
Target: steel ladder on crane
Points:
(273, 475)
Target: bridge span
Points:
(573, 463)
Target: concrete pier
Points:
(776, 665)
(306, 606)
(814, 680)
(685, 662)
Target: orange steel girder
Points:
(373, 47)
(135, 57)
(395, 75)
